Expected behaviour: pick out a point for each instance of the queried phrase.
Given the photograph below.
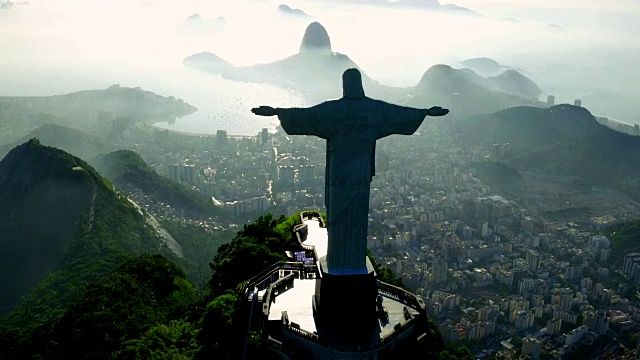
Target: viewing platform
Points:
(282, 302)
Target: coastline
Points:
(151, 125)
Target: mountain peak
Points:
(315, 39)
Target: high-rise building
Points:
(599, 246)
(286, 174)
(553, 326)
(533, 261)
(183, 173)
(537, 300)
(566, 299)
(524, 320)
(586, 284)
(551, 100)
(259, 204)
(526, 285)
(573, 272)
(221, 138)
(484, 230)
(516, 275)
(597, 322)
(305, 172)
(631, 266)
(263, 181)
(439, 271)
(484, 313)
(532, 347)
(575, 335)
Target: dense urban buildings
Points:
(493, 270)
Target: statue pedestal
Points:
(344, 306)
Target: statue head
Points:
(352, 84)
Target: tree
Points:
(176, 340)
(255, 247)
(456, 351)
(221, 330)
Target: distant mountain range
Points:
(70, 140)
(432, 5)
(98, 112)
(466, 93)
(289, 11)
(563, 139)
(316, 72)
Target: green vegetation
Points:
(37, 180)
(497, 171)
(199, 246)
(125, 168)
(506, 178)
(64, 250)
(93, 111)
(386, 275)
(73, 141)
(116, 314)
(256, 247)
(456, 351)
(561, 140)
(177, 340)
(625, 238)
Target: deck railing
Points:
(265, 278)
(348, 347)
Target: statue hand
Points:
(437, 111)
(264, 111)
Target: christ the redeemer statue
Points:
(351, 125)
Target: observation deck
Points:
(281, 301)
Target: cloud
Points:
(431, 5)
(197, 25)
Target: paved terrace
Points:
(297, 301)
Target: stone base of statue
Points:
(344, 306)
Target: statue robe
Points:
(351, 128)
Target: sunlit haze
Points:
(584, 49)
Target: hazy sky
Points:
(571, 48)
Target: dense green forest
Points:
(114, 316)
(97, 231)
(504, 177)
(199, 246)
(625, 238)
(560, 140)
(125, 168)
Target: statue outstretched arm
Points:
(437, 111)
(265, 111)
(295, 121)
(432, 111)
(404, 120)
